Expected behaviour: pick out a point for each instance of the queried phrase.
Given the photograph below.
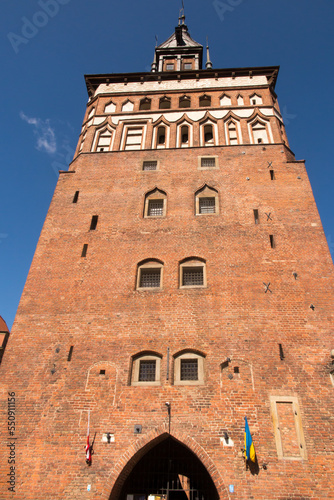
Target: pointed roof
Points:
(3, 326)
(180, 38)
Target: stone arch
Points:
(143, 445)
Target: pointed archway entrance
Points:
(169, 471)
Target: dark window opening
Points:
(76, 196)
(192, 276)
(150, 165)
(272, 241)
(236, 369)
(155, 208)
(102, 372)
(93, 224)
(254, 102)
(164, 103)
(184, 135)
(208, 133)
(205, 101)
(147, 371)
(145, 104)
(69, 357)
(84, 250)
(161, 135)
(184, 102)
(208, 162)
(207, 205)
(272, 175)
(150, 278)
(189, 369)
(256, 216)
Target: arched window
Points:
(146, 368)
(149, 274)
(164, 103)
(225, 100)
(189, 368)
(259, 132)
(145, 104)
(102, 142)
(206, 201)
(205, 101)
(110, 107)
(192, 273)
(127, 106)
(208, 135)
(232, 133)
(184, 136)
(155, 204)
(184, 102)
(240, 100)
(255, 100)
(161, 136)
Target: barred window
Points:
(155, 203)
(192, 273)
(189, 369)
(192, 276)
(208, 162)
(207, 205)
(155, 208)
(150, 165)
(150, 278)
(147, 371)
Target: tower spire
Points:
(182, 17)
(208, 64)
(154, 66)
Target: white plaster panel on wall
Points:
(243, 113)
(128, 106)
(99, 120)
(267, 111)
(110, 108)
(116, 119)
(205, 83)
(90, 123)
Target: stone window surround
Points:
(206, 192)
(192, 262)
(208, 168)
(135, 369)
(156, 194)
(149, 264)
(177, 368)
(298, 423)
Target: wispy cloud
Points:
(45, 134)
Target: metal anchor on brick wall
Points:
(268, 216)
(270, 164)
(267, 287)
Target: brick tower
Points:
(182, 282)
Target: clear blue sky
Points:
(44, 94)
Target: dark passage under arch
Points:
(169, 471)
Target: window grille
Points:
(189, 369)
(147, 371)
(208, 162)
(150, 278)
(207, 205)
(155, 208)
(192, 276)
(150, 165)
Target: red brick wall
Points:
(92, 304)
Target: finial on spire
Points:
(154, 65)
(208, 64)
(182, 17)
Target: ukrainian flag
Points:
(249, 446)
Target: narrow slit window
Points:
(75, 197)
(184, 135)
(256, 216)
(236, 369)
(70, 352)
(150, 165)
(208, 134)
(147, 371)
(84, 250)
(207, 205)
(272, 241)
(189, 369)
(102, 372)
(93, 224)
(161, 136)
(272, 175)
